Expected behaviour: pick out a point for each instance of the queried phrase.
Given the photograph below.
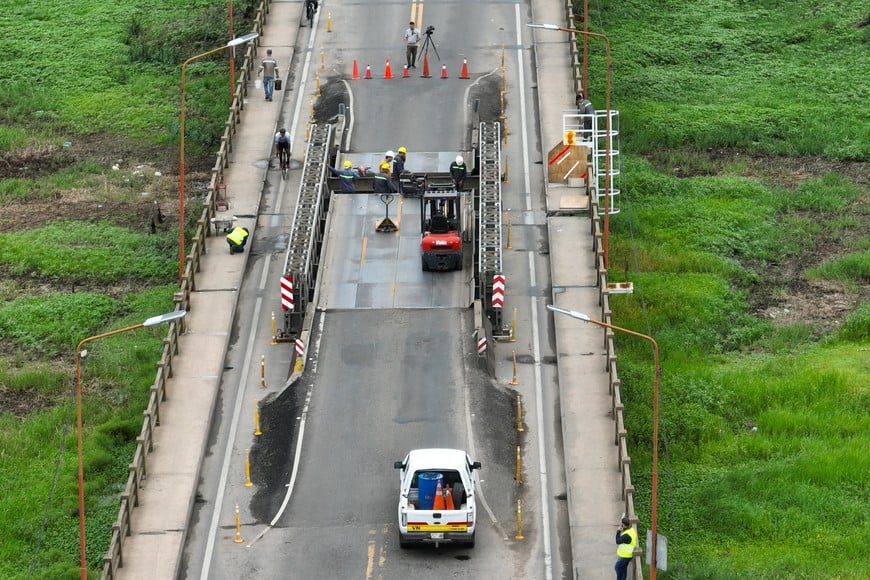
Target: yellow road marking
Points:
(362, 256)
(417, 14)
(370, 563)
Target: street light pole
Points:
(607, 91)
(655, 450)
(586, 46)
(181, 198)
(154, 320)
(232, 53)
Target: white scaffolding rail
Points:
(591, 131)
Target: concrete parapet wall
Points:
(138, 468)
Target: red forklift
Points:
(441, 227)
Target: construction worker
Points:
(399, 168)
(237, 239)
(386, 165)
(347, 175)
(382, 183)
(626, 541)
(458, 172)
(585, 108)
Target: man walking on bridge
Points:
(269, 70)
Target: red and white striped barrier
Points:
(300, 347)
(287, 292)
(481, 345)
(498, 291)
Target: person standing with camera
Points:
(626, 542)
(412, 38)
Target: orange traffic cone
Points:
(464, 73)
(368, 71)
(439, 498)
(443, 71)
(426, 74)
(388, 72)
(405, 74)
(355, 71)
(449, 499)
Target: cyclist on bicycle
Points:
(282, 144)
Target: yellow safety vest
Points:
(237, 236)
(627, 550)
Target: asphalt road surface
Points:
(393, 364)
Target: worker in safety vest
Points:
(237, 239)
(386, 165)
(382, 183)
(399, 168)
(347, 176)
(626, 542)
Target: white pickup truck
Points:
(421, 473)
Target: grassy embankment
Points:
(88, 85)
(745, 140)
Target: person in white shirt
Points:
(412, 38)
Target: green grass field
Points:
(88, 85)
(746, 177)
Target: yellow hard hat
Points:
(402, 150)
(347, 163)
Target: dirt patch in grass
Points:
(774, 170)
(20, 404)
(784, 294)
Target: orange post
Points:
(355, 71)
(464, 73)
(405, 73)
(443, 71)
(368, 71)
(388, 71)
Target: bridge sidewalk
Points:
(593, 480)
(160, 522)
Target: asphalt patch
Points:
(274, 451)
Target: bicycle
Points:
(310, 9)
(284, 158)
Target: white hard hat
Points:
(389, 154)
(459, 160)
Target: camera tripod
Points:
(428, 42)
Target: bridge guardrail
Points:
(138, 468)
(617, 408)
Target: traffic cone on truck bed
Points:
(439, 497)
(449, 500)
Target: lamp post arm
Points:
(83, 561)
(657, 371)
(169, 317)
(655, 444)
(181, 178)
